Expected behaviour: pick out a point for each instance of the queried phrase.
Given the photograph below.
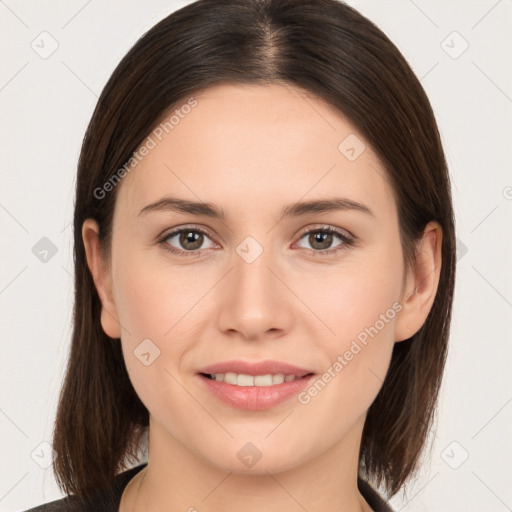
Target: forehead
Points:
(254, 146)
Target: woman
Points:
(264, 268)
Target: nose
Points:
(255, 301)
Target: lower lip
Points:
(255, 398)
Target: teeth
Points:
(240, 379)
(278, 378)
(261, 380)
(245, 380)
(229, 377)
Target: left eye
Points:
(321, 240)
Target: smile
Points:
(254, 385)
(241, 379)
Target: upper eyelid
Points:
(177, 230)
(326, 227)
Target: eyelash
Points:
(347, 241)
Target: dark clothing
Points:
(109, 500)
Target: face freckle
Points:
(252, 151)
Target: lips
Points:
(252, 389)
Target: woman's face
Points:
(256, 286)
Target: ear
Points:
(421, 283)
(101, 275)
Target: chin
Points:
(255, 458)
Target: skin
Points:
(251, 150)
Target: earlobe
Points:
(421, 283)
(102, 278)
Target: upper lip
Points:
(255, 368)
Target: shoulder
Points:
(372, 497)
(66, 504)
(106, 500)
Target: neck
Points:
(177, 479)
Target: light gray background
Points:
(46, 104)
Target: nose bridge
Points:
(252, 277)
(253, 302)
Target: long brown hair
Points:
(322, 46)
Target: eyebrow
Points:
(298, 209)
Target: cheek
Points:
(155, 308)
(152, 309)
(153, 299)
(360, 305)
(353, 297)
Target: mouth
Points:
(243, 380)
(254, 386)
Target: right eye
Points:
(189, 241)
